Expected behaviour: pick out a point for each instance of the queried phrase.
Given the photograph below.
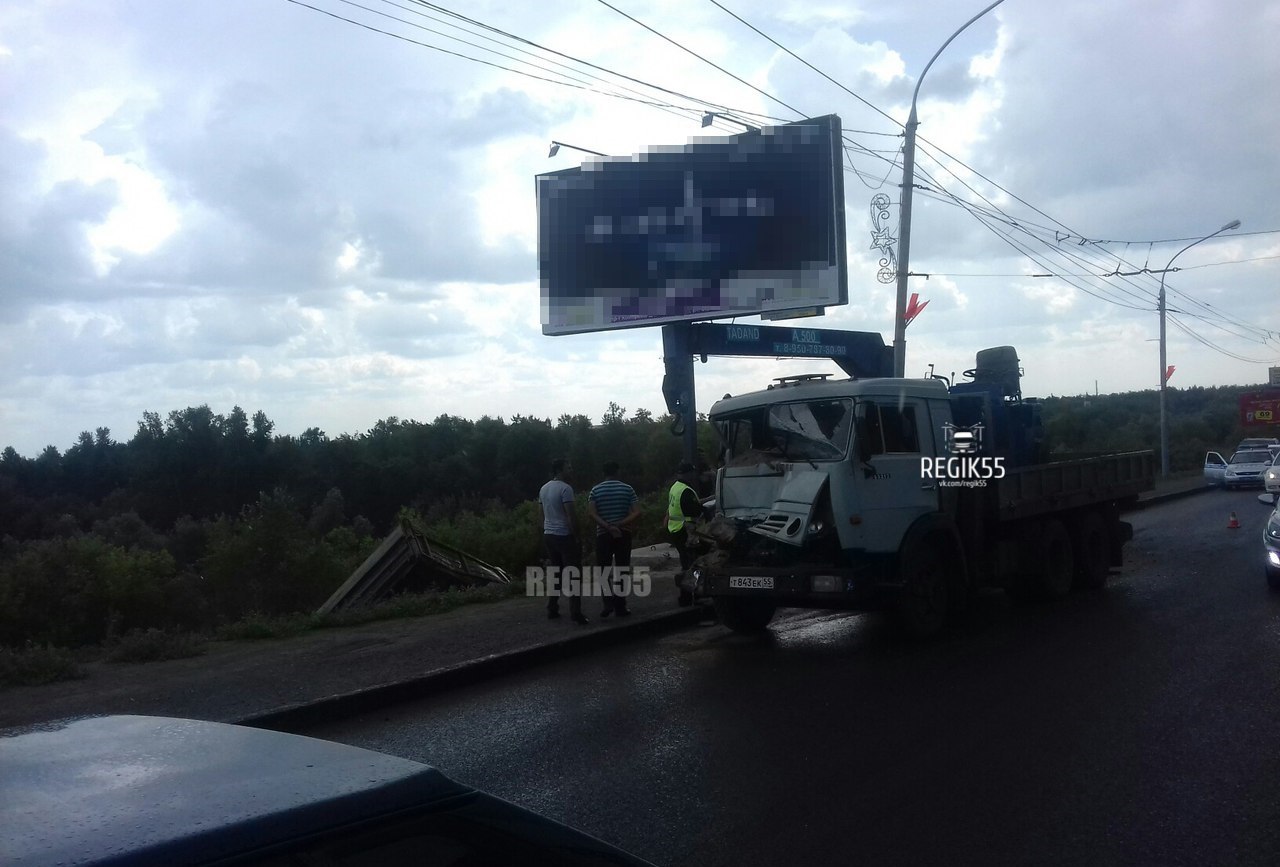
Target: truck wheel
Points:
(744, 615)
(1046, 567)
(923, 606)
(1092, 551)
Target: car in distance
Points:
(1271, 444)
(1271, 547)
(141, 790)
(1244, 470)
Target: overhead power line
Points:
(712, 63)
(805, 62)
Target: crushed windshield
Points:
(816, 430)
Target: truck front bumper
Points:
(798, 587)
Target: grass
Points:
(259, 626)
(153, 645)
(34, 665)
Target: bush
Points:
(153, 645)
(257, 626)
(266, 562)
(75, 591)
(35, 665)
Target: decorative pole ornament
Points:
(883, 238)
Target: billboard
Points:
(727, 226)
(1260, 408)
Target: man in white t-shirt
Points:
(560, 539)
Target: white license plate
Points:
(751, 582)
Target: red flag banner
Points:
(1168, 374)
(913, 308)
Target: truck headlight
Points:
(825, 583)
(817, 527)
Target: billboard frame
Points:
(797, 286)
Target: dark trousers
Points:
(680, 541)
(612, 551)
(562, 552)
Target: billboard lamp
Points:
(556, 145)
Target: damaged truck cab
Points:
(905, 494)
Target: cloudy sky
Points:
(256, 203)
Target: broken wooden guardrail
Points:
(407, 561)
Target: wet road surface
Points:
(1136, 726)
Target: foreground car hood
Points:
(137, 791)
(97, 789)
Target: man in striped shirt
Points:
(614, 506)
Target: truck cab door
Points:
(1214, 468)
(891, 436)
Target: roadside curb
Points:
(335, 707)
(1157, 499)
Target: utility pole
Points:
(1164, 365)
(904, 213)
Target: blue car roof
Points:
(153, 790)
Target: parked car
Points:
(1271, 547)
(1271, 475)
(142, 790)
(1244, 470)
(1271, 444)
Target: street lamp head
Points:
(1234, 224)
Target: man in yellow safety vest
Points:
(683, 506)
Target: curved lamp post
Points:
(1164, 378)
(904, 211)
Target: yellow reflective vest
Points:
(675, 515)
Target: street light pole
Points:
(904, 211)
(1164, 361)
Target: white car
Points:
(1248, 444)
(1244, 470)
(1271, 548)
(1271, 476)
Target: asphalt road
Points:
(1131, 726)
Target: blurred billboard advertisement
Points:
(722, 227)
(1260, 408)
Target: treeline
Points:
(1199, 420)
(198, 464)
(202, 519)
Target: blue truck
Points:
(903, 494)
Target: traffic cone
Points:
(1232, 523)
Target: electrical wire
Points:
(1215, 347)
(711, 63)
(704, 106)
(1115, 272)
(805, 62)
